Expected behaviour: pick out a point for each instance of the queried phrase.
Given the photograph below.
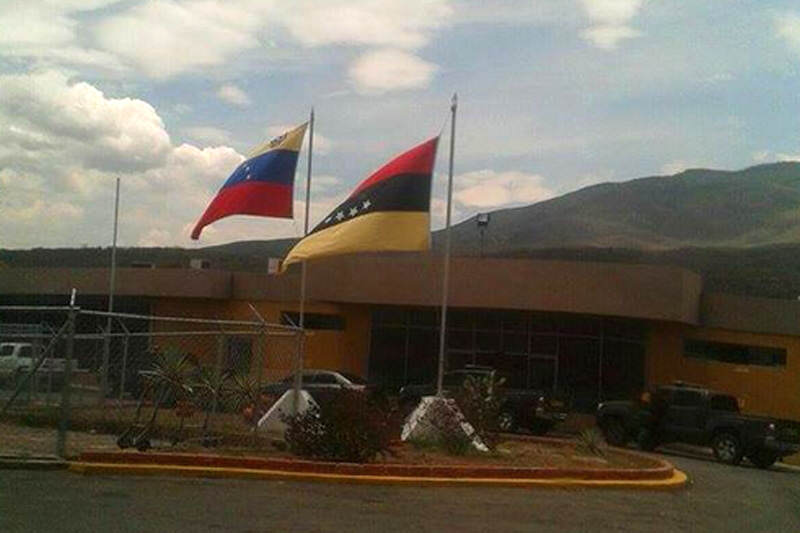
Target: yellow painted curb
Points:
(677, 480)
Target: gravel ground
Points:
(720, 498)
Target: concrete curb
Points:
(659, 470)
(188, 465)
(677, 480)
(10, 462)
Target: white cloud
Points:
(208, 135)
(190, 35)
(787, 157)
(156, 237)
(171, 37)
(380, 71)
(675, 167)
(44, 109)
(233, 95)
(608, 37)
(400, 24)
(610, 21)
(787, 26)
(48, 32)
(489, 189)
(761, 156)
(61, 145)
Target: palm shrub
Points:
(171, 376)
(591, 442)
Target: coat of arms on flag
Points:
(388, 211)
(262, 185)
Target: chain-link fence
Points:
(116, 379)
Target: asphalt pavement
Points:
(719, 498)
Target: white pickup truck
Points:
(18, 357)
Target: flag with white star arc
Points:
(388, 211)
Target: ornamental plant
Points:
(348, 427)
(480, 398)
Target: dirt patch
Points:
(523, 453)
(97, 429)
(22, 441)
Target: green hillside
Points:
(740, 230)
(757, 206)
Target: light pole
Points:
(483, 221)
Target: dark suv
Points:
(695, 415)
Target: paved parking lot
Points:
(720, 498)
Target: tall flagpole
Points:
(445, 281)
(111, 286)
(301, 322)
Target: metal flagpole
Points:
(301, 322)
(445, 281)
(112, 282)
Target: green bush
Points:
(480, 398)
(348, 426)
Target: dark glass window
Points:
(459, 318)
(723, 402)
(515, 321)
(739, 354)
(515, 342)
(488, 341)
(326, 379)
(544, 344)
(424, 317)
(457, 360)
(687, 398)
(543, 323)
(313, 320)
(390, 316)
(460, 339)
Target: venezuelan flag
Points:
(388, 211)
(263, 185)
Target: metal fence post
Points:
(218, 369)
(124, 366)
(63, 422)
(298, 364)
(122, 376)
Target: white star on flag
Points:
(339, 215)
(366, 204)
(353, 211)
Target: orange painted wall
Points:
(345, 350)
(773, 391)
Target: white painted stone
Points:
(272, 422)
(419, 424)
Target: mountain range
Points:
(739, 229)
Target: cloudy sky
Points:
(554, 96)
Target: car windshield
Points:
(6, 350)
(352, 378)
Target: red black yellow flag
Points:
(388, 211)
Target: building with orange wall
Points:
(597, 330)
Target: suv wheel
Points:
(763, 458)
(506, 421)
(727, 448)
(647, 440)
(614, 432)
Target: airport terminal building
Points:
(599, 331)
